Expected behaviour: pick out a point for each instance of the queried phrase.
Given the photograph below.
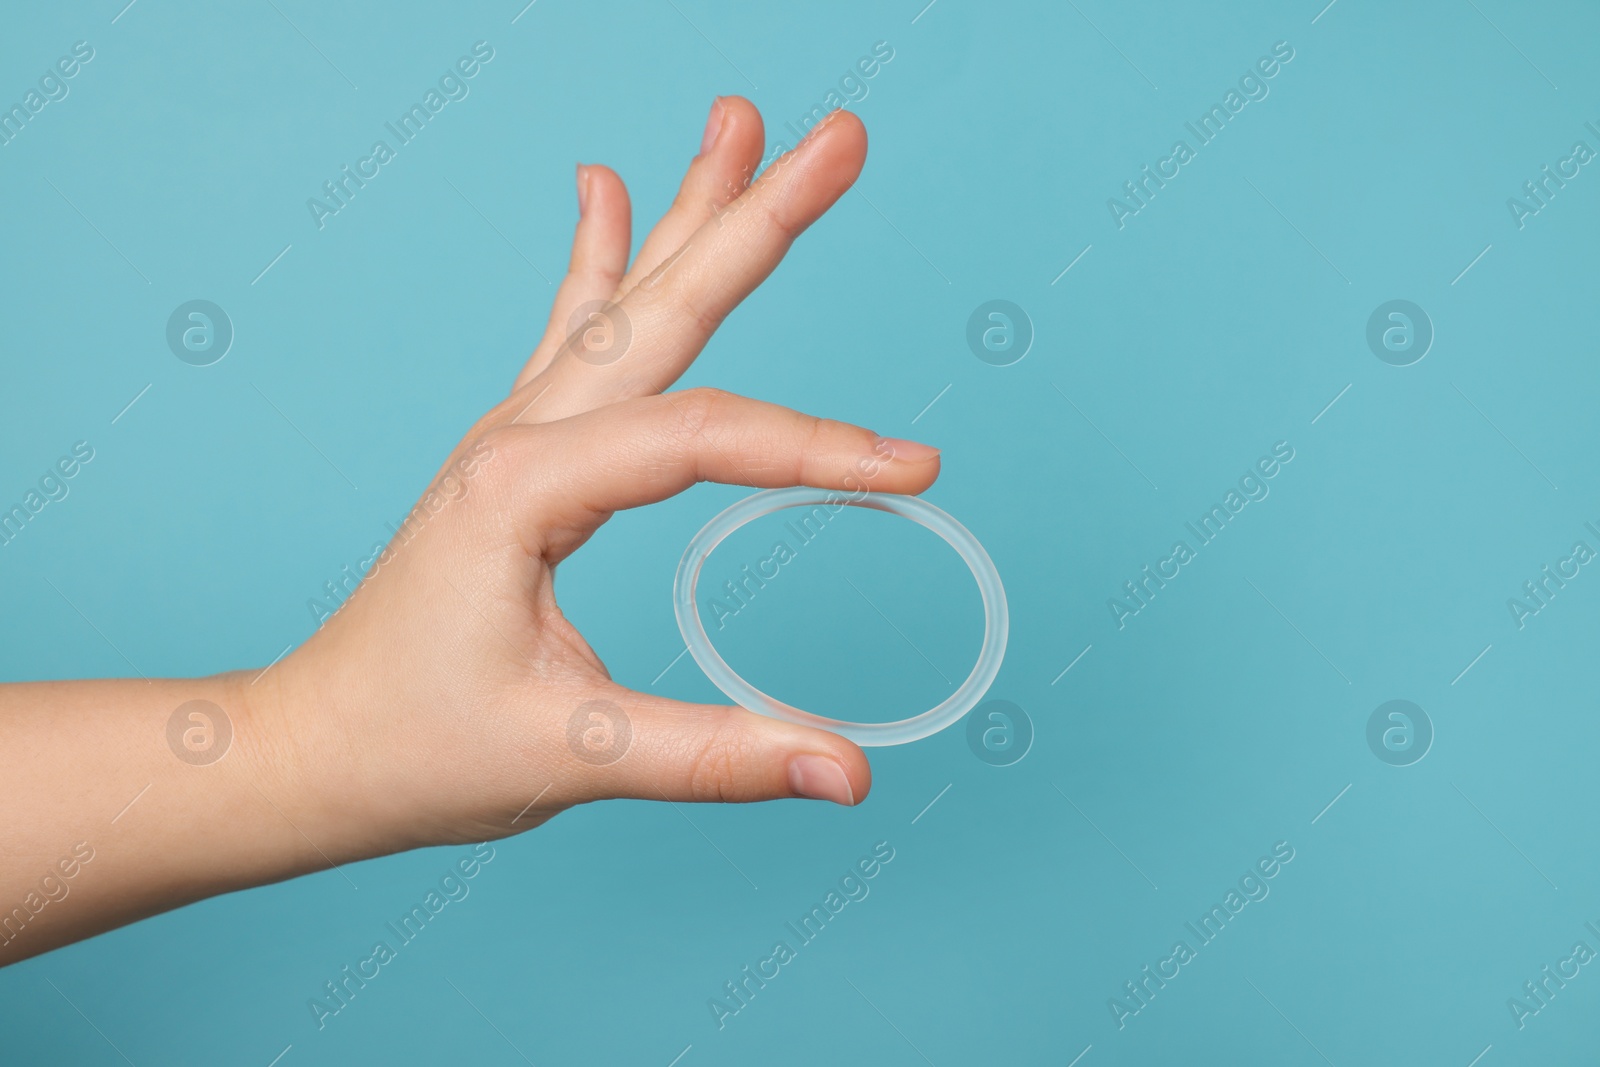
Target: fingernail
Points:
(909, 451)
(583, 187)
(820, 778)
(713, 126)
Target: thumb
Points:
(630, 744)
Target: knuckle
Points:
(704, 320)
(817, 430)
(473, 479)
(497, 439)
(814, 434)
(498, 453)
(717, 763)
(699, 407)
(774, 219)
(596, 276)
(692, 202)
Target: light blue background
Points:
(1221, 319)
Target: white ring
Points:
(996, 621)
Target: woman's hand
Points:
(450, 699)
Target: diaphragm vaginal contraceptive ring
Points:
(996, 621)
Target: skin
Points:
(436, 707)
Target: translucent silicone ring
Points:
(996, 621)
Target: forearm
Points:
(118, 805)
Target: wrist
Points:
(288, 753)
(326, 761)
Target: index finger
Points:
(637, 453)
